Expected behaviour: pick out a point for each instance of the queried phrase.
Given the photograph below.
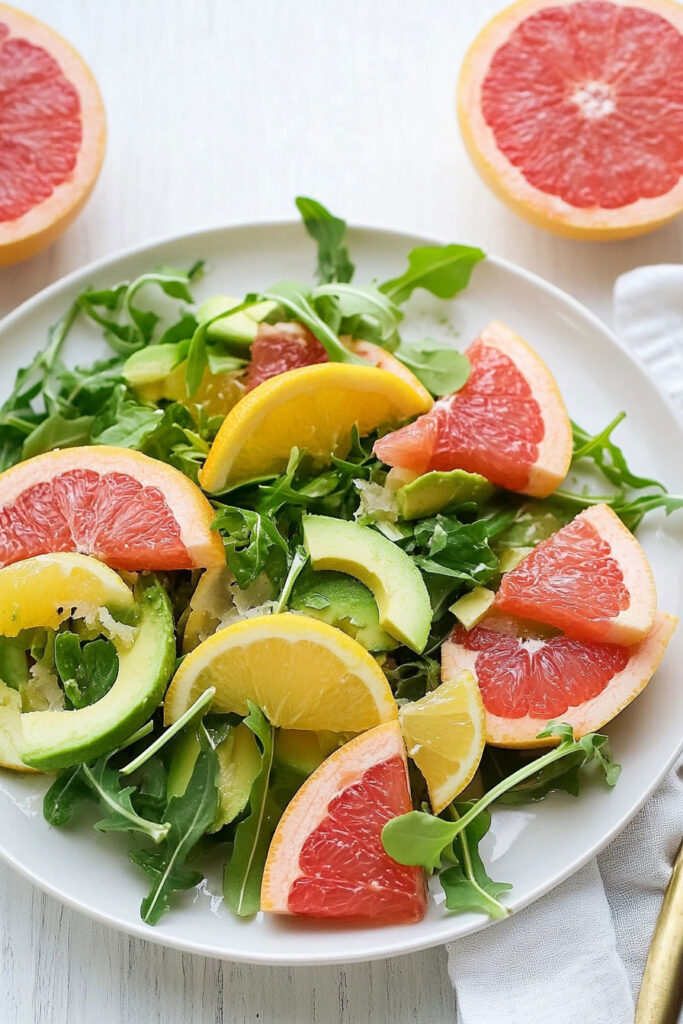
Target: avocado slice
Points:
(239, 328)
(440, 491)
(153, 363)
(344, 602)
(471, 608)
(302, 752)
(395, 581)
(239, 762)
(56, 739)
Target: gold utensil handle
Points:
(661, 991)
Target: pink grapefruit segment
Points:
(524, 681)
(326, 859)
(52, 134)
(124, 508)
(573, 113)
(281, 347)
(508, 422)
(591, 579)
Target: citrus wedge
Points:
(302, 673)
(326, 858)
(52, 134)
(444, 734)
(570, 112)
(591, 579)
(45, 590)
(526, 681)
(508, 423)
(314, 408)
(375, 355)
(126, 509)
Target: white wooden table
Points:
(223, 111)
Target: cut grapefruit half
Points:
(572, 113)
(124, 508)
(326, 859)
(507, 423)
(526, 681)
(52, 134)
(591, 579)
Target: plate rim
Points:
(409, 945)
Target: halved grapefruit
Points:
(591, 579)
(526, 681)
(124, 508)
(52, 134)
(508, 422)
(573, 113)
(327, 859)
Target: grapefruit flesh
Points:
(280, 347)
(326, 859)
(573, 113)
(525, 681)
(591, 579)
(124, 508)
(52, 134)
(507, 423)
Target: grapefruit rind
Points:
(310, 805)
(190, 507)
(630, 625)
(590, 716)
(508, 182)
(46, 221)
(313, 408)
(302, 673)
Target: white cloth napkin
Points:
(577, 955)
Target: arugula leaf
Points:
(440, 367)
(297, 300)
(421, 838)
(149, 798)
(37, 376)
(195, 709)
(633, 496)
(13, 662)
(466, 883)
(459, 550)
(411, 679)
(328, 231)
(442, 270)
(188, 817)
(57, 431)
(363, 312)
(252, 543)
(298, 563)
(244, 870)
(122, 816)
(69, 790)
(87, 672)
(498, 763)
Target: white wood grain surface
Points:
(222, 111)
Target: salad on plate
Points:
(283, 591)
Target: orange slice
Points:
(124, 508)
(591, 579)
(326, 858)
(314, 408)
(507, 423)
(571, 113)
(52, 134)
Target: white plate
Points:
(533, 847)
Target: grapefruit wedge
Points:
(326, 859)
(507, 423)
(591, 579)
(525, 681)
(571, 113)
(52, 135)
(124, 508)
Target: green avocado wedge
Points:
(395, 581)
(51, 740)
(239, 328)
(441, 491)
(344, 602)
